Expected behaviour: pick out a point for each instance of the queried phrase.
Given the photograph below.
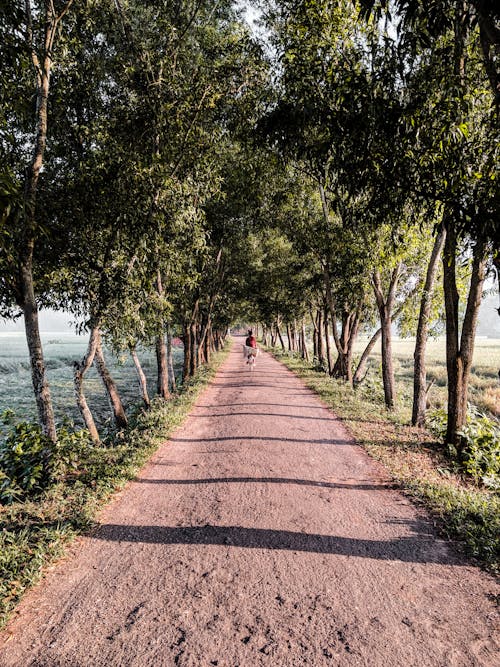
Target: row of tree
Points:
(388, 128)
(166, 171)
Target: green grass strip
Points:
(34, 534)
(462, 511)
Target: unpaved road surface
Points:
(260, 534)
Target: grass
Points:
(484, 382)
(462, 511)
(35, 533)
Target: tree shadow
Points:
(307, 441)
(275, 405)
(382, 486)
(419, 548)
(254, 413)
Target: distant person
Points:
(251, 341)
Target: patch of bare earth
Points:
(260, 534)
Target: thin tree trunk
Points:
(162, 368)
(79, 370)
(321, 346)
(43, 68)
(304, 350)
(360, 370)
(327, 341)
(143, 383)
(186, 339)
(385, 312)
(119, 415)
(419, 373)
(38, 374)
(278, 333)
(170, 360)
(193, 354)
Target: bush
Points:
(480, 456)
(30, 462)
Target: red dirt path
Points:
(260, 534)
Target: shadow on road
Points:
(420, 548)
(270, 480)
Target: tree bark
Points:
(119, 415)
(162, 368)
(460, 348)
(186, 340)
(360, 370)
(79, 370)
(143, 383)
(278, 333)
(319, 327)
(327, 340)
(38, 375)
(170, 360)
(385, 308)
(419, 372)
(43, 68)
(304, 350)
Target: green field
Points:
(484, 387)
(61, 350)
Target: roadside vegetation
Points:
(46, 508)
(465, 509)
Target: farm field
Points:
(60, 350)
(484, 390)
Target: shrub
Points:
(30, 462)
(480, 456)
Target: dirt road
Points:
(259, 535)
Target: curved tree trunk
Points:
(119, 415)
(360, 373)
(419, 373)
(79, 370)
(278, 333)
(143, 383)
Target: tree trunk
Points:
(385, 308)
(29, 305)
(321, 346)
(119, 415)
(304, 350)
(193, 354)
(459, 351)
(315, 335)
(419, 372)
(278, 333)
(143, 383)
(162, 368)
(79, 370)
(186, 340)
(170, 361)
(359, 375)
(327, 340)
(38, 374)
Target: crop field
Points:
(484, 390)
(60, 351)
